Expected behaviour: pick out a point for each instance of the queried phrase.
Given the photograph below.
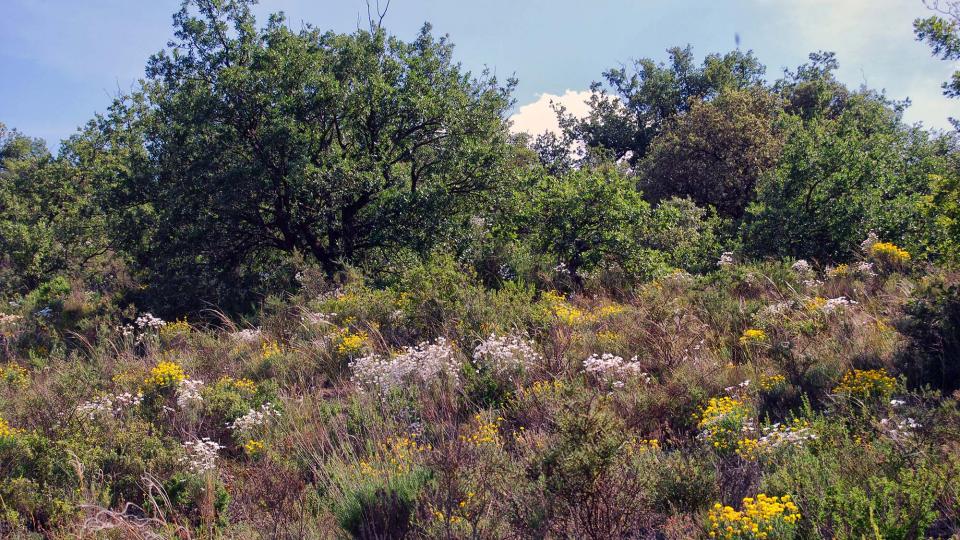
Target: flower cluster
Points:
(866, 384)
(270, 350)
(726, 260)
(546, 388)
(201, 455)
(247, 335)
(486, 432)
(771, 382)
(423, 363)
(801, 267)
(189, 393)
(504, 354)
(179, 327)
(613, 369)
(166, 374)
(350, 342)
(899, 430)
(108, 406)
(141, 326)
(7, 432)
(722, 422)
(562, 310)
(762, 517)
(246, 424)
(397, 455)
(752, 336)
(14, 375)
(241, 385)
(889, 254)
(779, 435)
(254, 448)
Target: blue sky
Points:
(62, 60)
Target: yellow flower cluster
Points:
(459, 514)
(769, 382)
(569, 315)
(748, 449)
(6, 431)
(889, 253)
(254, 448)
(485, 433)
(270, 350)
(643, 445)
(839, 271)
(176, 328)
(752, 336)
(763, 517)
(866, 383)
(816, 303)
(166, 374)
(722, 421)
(242, 385)
(546, 388)
(396, 455)
(350, 342)
(13, 375)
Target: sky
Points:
(62, 61)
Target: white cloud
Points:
(537, 117)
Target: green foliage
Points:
(942, 34)
(931, 322)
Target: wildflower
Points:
(613, 369)
(201, 455)
(270, 350)
(776, 436)
(562, 310)
(801, 267)
(351, 342)
(485, 432)
(899, 430)
(839, 271)
(752, 336)
(247, 335)
(166, 374)
(148, 322)
(771, 382)
(868, 243)
(505, 354)
(7, 432)
(834, 304)
(189, 394)
(889, 254)
(109, 405)
(722, 421)
(726, 260)
(176, 328)
(254, 448)
(760, 517)
(424, 363)
(865, 384)
(246, 424)
(14, 375)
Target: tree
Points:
(942, 34)
(267, 142)
(715, 152)
(627, 113)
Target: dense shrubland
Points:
(307, 284)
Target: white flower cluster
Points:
(254, 419)
(899, 430)
(737, 387)
(504, 354)
(613, 369)
(778, 435)
(247, 335)
(726, 259)
(141, 326)
(318, 318)
(189, 393)
(201, 455)
(868, 243)
(801, 267)
(833, 304)
(107, 406)
(422, 363)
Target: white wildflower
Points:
(504, 354)
(247, 335)
(726, 259)
(421, 364)
(189, 393)
(801, 266)
(246, 424)
(201, 455)
(613, 369)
